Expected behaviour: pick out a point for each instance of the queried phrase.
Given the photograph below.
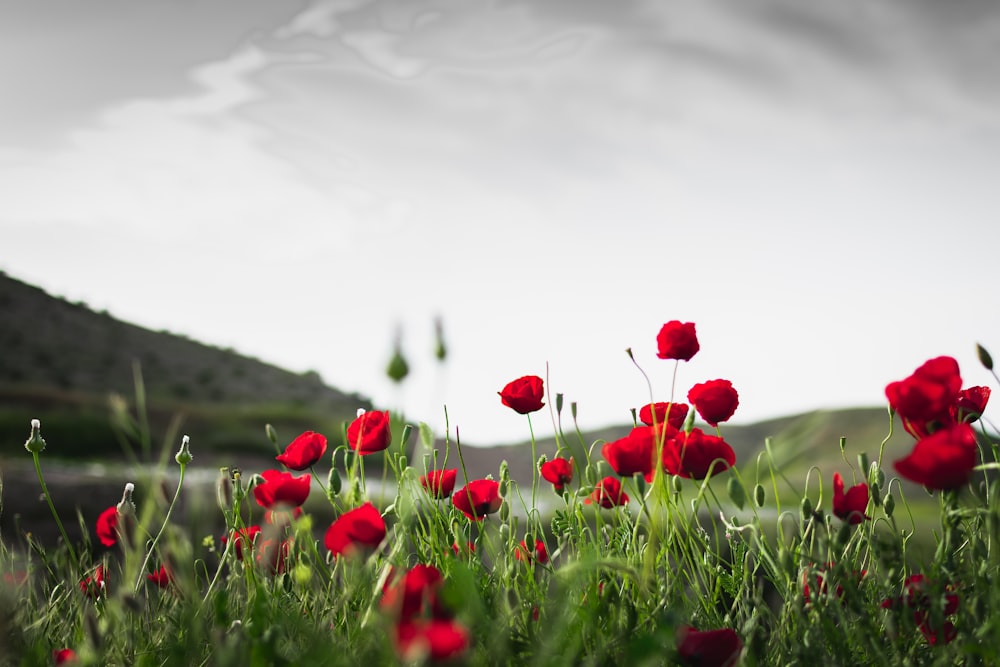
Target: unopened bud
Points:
(843, 444)
(405, 437)
(572, 409)
(35, 442)
(272, 435)
(224, 490)
(806, 508)
(984, 357)
(184, 456)
(888, 505)
(689, 421)
(126, 506)
(333, 483)
(758, 495)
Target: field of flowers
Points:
(644, 560)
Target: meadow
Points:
(654, 546)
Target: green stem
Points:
(166, 520)
(52, 508)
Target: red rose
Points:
(715, 400)
(359, 530)
(709, 648)
(439, 639)
(247, 535)
(678, 412)
(414, 593)
(850, 506)
(608, 493)
(636, 451)
(522, 553)
(478, 498)
(94, 584)
(559, 472)
(162, 577)
(62, 656)
(370, 432)
(523, 395)
(928, 394)
(439, 483)
(303, 451)
(107, 527)
(281, 489)
(677, 340)
(942, 460)
(692, 455)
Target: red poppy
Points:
(715, 400)
(970, 404)
(927, 395)
(439, 483)
(608, 493)
(281, 490)
(850, 506)
(162, 577)
(677, 340)
(478, 498)
(370, 433)
(62, 656)
(540, 553)
(709, 648)
(942, 460)
(360, 530)
(678, 412)
(247, 535)
(470, 548)
(559, 472)
(636, 452)
(414, 593)
(692, 455)
(523, 395)
(917, 599)
(107, 527)
(438, 639)
(94, 584)
(272, 554)
(304, 451)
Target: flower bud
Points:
(640, 483)
(505, 511)
(224, 490)
(272, 435)
(572, 409)
(333, 483)
(35, 442)
(888, 505)
(405, 437)
(126, 507)
(806, 509)
(689, 421)
(559, 404)
(874, 489)
(184, 456)
(984, 357)
(843, 444)
(758, 495)
(678, 485)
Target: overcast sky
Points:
(813, 184)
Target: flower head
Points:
(304, 451)
(608, 493)
(370, 432)
(478, 498)
(414, 593)
(636, 451)
(439, 483)
(849, 506)
(540, 553)
(107, 526)
(708, 648)
(281, 489)
(358, 531)
(558, 471)
(94, 584)
(63, 656)
(657, 413)
(927, 395)
(438, 639)
(715, 400)
(242, 536)
(162, 577)
(942, 460)
(696, 454)
(523, 395)
(677, 340)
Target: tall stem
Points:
(166, 520)
(52, 508)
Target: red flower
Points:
(943, 460)
(523, 395)
(709, 648)
(162, 577)
(522, 553)
(677, 340)
(470, 548)
(359, 530)
(917, 599)
(304, 451)
(559, 472)
(636, 452)
(248, 535)
(94, 584)
(107, 527)
(818, 576)
(608, 493)
(970, 404)
(437, 638)
(370, 433)
(478, 498)
(691, 455)
(439, 483)
(414, 593)
(715, 400)
(850, 506)
(927, 395)
(678, 412)
(281, 489)
(61, 656)
(273, 555)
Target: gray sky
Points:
(812, 184)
